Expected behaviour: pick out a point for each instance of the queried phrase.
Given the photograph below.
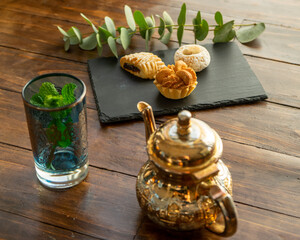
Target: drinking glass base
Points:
(62, 180)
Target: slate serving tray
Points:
(228, 80)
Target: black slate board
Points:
(228, 80)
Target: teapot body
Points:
(180, 202)
(185, 185)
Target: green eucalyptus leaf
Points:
(130, 33)
(198, 17)
(225, 33)
(98, 38)
(112, 45)
(63, 32)
(153, 20)
(216, 29)
(118, 41)
(150, 24)
(168, 21)
(74, 41)
(201, 31)
(197, 25)
(73, 38)
(219, 18)
(249, 33)
(141, 21)
(182, 15)
(124, 37)
(67, 45)
(119, 29)
(86, 19)
(89, 22)
(110, 26)
(149, 21)
(89, 42)
(77, 34)
(104, 26)
(129, 18)
(99, 50)
(165, 39)
(147, 37)
(162, 27)
(104, 34)
(143, 33)
(180, 34)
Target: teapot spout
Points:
(149, 121)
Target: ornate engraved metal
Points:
(185, 185)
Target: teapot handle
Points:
(228, 209)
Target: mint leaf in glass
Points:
(49, 97)
(67, 93)
(46, 89)
(65, 135)
(37, 100)
(51, 101)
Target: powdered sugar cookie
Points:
(195, 56)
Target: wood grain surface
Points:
(15, 227)
(261, 140)
(92, 208)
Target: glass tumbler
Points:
(58, 135)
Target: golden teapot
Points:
(185, 185)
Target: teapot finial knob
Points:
(184, 122)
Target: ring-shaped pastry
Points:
(195, 56)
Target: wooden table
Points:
(261, 140)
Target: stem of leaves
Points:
(51, 155)
(107, 33)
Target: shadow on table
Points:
(149, 230)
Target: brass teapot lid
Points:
(185, 145)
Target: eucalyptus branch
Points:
(145, 26)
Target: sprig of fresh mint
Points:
(59, 129)
(49, 97)
(109, 34)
